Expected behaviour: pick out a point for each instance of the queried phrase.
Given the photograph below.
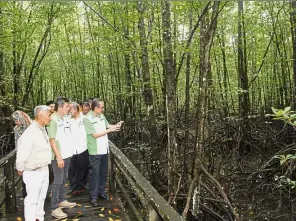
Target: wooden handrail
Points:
(139, 183)
(7, 157)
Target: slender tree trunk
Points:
(148, 95)
(243, 94)
(45, 42)
(207, 31)
(170, 79)
(187, 102)
(293, 37)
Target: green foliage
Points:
(287, 161)
(285, 115)
(285, 158)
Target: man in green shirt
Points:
(60, 140)
(97, 128)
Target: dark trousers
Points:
(78, 171)
(58, 186)
(24, 189)
(99, 170)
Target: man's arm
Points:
(52, 132)
(57, 153)
(91, 130)
(25, 145)
(110, 129)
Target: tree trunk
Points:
(187, 102)
(293, 37)
(207, 31)
(148, 95)
(44, 43)
(243, 94)
(170, 82)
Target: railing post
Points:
(112, 174)
(9, 173)
(153, 216)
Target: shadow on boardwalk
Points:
(110, 210)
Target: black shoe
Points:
(103, 196)
(94, 203)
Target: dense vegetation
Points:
(194, 82)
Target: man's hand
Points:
(114, 128)
(120, 123)
(60, 162)
(20, 173)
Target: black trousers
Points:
(78, 171)
(99, 169)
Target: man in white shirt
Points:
(79, 163)
(33, 157)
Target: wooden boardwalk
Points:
(141, 201)
(110, 210)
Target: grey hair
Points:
(39, 108)
(95, 103)
(75, 105)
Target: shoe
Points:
(82, 190)
(76, 192)
(58, 213)
(94, 202)
(66, 204)
(103, 196)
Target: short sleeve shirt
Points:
(60, 130)
(96, 124)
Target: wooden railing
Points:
(122, 171)
(8, 182)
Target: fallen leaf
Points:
(75, 219)
(87, 206)
(78, 204)
(110, 219)
(110, 198)
(117, 220)
(102, 209)
(101, 215)
(19, 219)
(109, 211)
(116, 210)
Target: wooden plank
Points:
(84, 211)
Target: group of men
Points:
(72, 142)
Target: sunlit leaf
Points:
(101, 215)
(110, 219)
(102, 209)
